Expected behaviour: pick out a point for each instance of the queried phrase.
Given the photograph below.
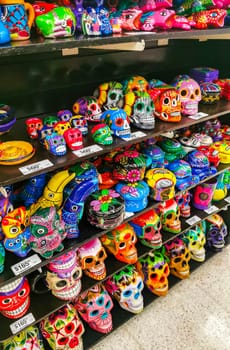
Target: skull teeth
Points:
(19, 311)
(78, 143)
(69, 294)
(162, 289)
(11, 286)
(184, 273)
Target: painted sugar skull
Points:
(88, 107)
(147, 228)
(63, 276)
(64, 115)
(94, 307)
(216, 230)
(121, 243)
(101, 134)
(162, 183)
(118, 122)
(55, 144)
(73, 138)
(190, 93)
(169, 213)
(33, 124)
(154, 270)
(15, 298)
(43, 132)
(92, 256)
(179, 256)
(79, 122)
(140, 109)
(126, 287)
(51, 120)
(135, 83)
(109, 95)
(195, 239)
(167, 104)
(63, 329)
(29, 338)
(183, 200)
(61, 126)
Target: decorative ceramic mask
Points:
(216, 230)
(101, 134)
(169, 213)
(55, 144)
(94, 307)
(51, 121)
(183, 202)
(92, 255)
(121, 243)
(129, 166)
(79, 122)
(64, 115)
(147, 227)
(32, 126)
(162, 183)
(63, 329)
(179, 256)
(109, 95)
(118, 122)
(14, 298)
(195, 239)
(47, 232)
(190, 93)
(89, 107)
(140, 109)
(135, 195)
(73, 138)
(126, 287)
(29, 339)
(154, 270)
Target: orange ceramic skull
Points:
(179, 258)
(168, 105)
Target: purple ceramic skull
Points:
(55, 144)
(216, 231)
(89, 107)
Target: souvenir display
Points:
(92, 256)
(169, 213)
(121, 243)
(154, 270)
(221, 190)
(33, 124)
(216, 231)
(200, 164)
(109, 95)
(118, 122)
(55, 144)
(63, 329)
(203, 193)
(73, 138)
(223, 148)
(101, 134)
(183, 201)
(179, 256)
(195, 239)
(135, 195)
(15, 298)
(15, 152)
(147, 227)
(162, 183)
(210, 92)
(183, 172)
(129, 166)
(79, 122)
(30, 338)
(105, 209)
(89, 108)
(126, 287)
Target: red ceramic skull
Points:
(32, 126)
(73, 138)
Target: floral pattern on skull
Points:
(179, 256)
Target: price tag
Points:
(22, 323)
(197, 116)
(227, 199)
(25, 264)
(128, 214)
(87, 150)
(135, 135)
(211, 209)
(193, 220)
(43, 164)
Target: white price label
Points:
(25, 264)
(227, 199)
(32, 168)
(135, 135)
(87, 150)
(22, 323)
(197, 116)
(193, 220)
(211, 209)
(128, 214)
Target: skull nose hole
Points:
(162, 279)
(184, 263)
(104, 315)
(192, 97)
(97, 262)
(136, 296)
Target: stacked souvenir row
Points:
(64, 327)
(65, 18)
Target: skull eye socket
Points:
(63, 341)
(148, 229)
(169, 216)
(61, 284)
(187, 256)
(6, 301)
(180, 201)
(113, 95)
(89, 260)
(193, 243)
(197, 92)
(127, 293)
(100, 301)
(140, 106)
(76, 274)
(94, 313)
(119, 121)
(93, 106)
(22, 292)
(140, 284)
(122, 245)
(177, 260)
(101, 254)
(184, 92)
(166, 101)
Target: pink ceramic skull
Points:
(73, 138)
(89, 107)
(94, 307)
(92, 255)
(183, 200)
(190, 93)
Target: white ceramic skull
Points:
(195, 238)
(118, 122)
(190, 93)
(183, 199)
(169, 213)
(92, 255)
(126, 287)
(109, 95)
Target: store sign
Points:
(32, 168)
(25, 264)
(198, 116)
(87, 150)
(22, 323)
(193, 220)
(135, 135)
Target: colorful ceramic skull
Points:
(169, 213)
(73, 138)
(147, 228)
(135, 83)
(161, 182)
(14, 298)
(121, 243)
(94, 307)
(190, 93)
(118, 122)
(32, 126)
(63, 329)
(126, 287)
(88, 107)
(183, 200)
(179, 256)
(167, 103)
(154, 270)
(195, 239)
(140, 109)
(30, 338)
(101, 134)
(109, 95)
(216, 230)
(64, 115)
(92, 255)
(79, 122)
(51, 120)
(61, 126)
(55, 144)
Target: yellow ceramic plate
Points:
(15, 152)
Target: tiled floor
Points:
(195, 315)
